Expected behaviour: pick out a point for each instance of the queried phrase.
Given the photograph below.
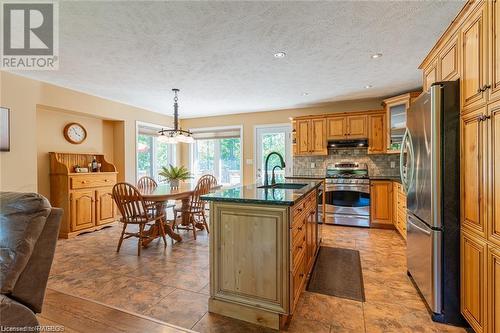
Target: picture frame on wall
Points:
(4, 129)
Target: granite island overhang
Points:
(263, 244)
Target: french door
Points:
(269, 138)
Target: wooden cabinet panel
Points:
(318, 145)
(105, 206)
(473, 36)
(430, 75)
(473, 280)
(493, 290)
(376, 134)
(494, 47)
(302, 137)
(381, 202)
(357, 127)
(337, 129)
(449, 61)
(472, 187)
(82, 210)
(493, 124)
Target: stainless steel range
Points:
(347, 194)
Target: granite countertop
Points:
(393, 178)
(251, 194)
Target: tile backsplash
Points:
(378, 165)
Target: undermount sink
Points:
(290, 186)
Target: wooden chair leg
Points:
(121, 237)
(141, 229)
(193, 224)
(162, 232)
(205, 221)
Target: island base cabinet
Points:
(260, 258)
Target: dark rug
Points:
(337, 272)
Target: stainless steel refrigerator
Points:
(430, 175)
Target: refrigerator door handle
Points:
(413, 225)
(406, 178)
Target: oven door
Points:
(348, 204)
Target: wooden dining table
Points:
(161, 195)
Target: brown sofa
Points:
(29, 228)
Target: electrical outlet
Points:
(393, 164)
(313, 165)
(249, 161)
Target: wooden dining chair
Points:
(134, 210)
(147, 183)
(196, 207)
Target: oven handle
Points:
(348, 187)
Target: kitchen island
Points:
(263, 244)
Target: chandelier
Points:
(176, 134)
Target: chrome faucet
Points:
(273, 179)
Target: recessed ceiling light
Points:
(280, 55)
(305, 93)
(368, 86)
(376, 55)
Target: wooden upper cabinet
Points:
(493, 290)
(493, 124)
(473, 280)
(474, 58)
(357, 127)
(377, 134)
(381, 202)
(430, 75)
(310, 136)
(449, 61)
(302, 136)
(337, 129)
(82, 210)
(494, 47)
(472, 186)
(318, 144)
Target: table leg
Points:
(154, 231)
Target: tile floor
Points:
(172, 285)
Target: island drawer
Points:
(298, 279)
(298, 252)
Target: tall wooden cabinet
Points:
(86, 198)
(476, 30)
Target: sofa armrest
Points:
(15, 314)
(30, 287)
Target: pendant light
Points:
(176, 134)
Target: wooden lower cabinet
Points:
(399, 208)
(493, 290)
(473, 270)
(260, 258)
(381, 204)
(82, 210)
(105, 206)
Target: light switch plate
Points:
(313, 165)
(393, 164)
(249, 161)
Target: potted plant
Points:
(175, 174)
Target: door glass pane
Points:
(144, 155)
(273, 142)
(230, 151)
(162, 158)
(204, 156)
(398, 125)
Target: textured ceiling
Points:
(220, 54)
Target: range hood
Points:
(338, 144)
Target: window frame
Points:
(172, 151)
(217, 148)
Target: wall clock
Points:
(75, 133)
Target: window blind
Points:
(224, 133)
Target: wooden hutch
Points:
(86, 198)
